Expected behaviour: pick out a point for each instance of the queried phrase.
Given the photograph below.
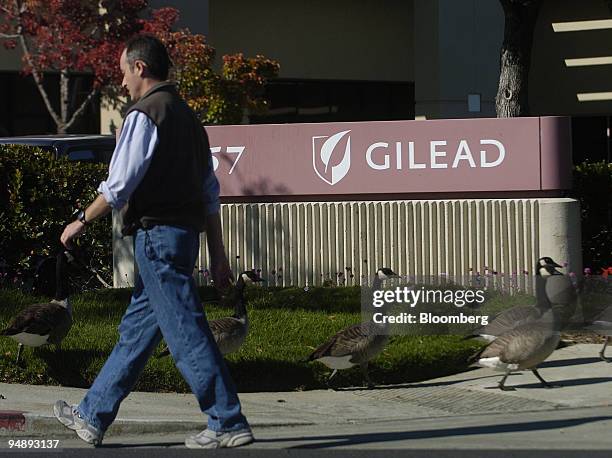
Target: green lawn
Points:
(286, 325)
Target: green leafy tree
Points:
(217, 98)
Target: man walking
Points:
(162, 170)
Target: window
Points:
(294, 101)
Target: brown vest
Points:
(171, 192)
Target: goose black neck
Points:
(542, 301)
(239, 306)
(61, 278)
(377, 283)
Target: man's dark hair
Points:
(152, 52)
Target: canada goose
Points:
(552, 288)
(523, 347)
(555, 288)
(602, 325)
(46, 323)
(357, 344)
(229, 332)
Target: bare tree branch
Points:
(93, 32)
(21, 8)
(82, 108)
(64, 82)
(38, 81)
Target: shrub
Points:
(593, 187)
(38, 196)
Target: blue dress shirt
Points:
(131, 160)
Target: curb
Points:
(15, 423)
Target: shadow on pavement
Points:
(564, 383)
(420, 385)
(369, 438)
(569, 362)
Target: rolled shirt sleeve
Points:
(131, 159)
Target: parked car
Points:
(86, 147)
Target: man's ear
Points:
(140, 68)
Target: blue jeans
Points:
(165, 303)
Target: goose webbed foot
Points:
(502, 384)
(542, 381)
(503, 387)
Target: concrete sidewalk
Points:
(583, 382)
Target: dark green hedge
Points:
(593, 187)
(38, 196)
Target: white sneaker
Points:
(68, 415)
(214, 439)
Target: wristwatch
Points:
(81, 217)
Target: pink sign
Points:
(393, 157)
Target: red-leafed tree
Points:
(69, 36)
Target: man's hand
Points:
(98, 208)
(71, 232)
(221, 274)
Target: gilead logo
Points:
(379, 155)
(321, 157)
(332, 165)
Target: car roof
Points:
(56, 139)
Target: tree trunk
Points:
(512, 95)
(64, 101)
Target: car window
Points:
(81, 155)
(93, 153)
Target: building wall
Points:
(457, 47)
(448, 48)
(343, 39)
(193, 14)
(553, 85)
